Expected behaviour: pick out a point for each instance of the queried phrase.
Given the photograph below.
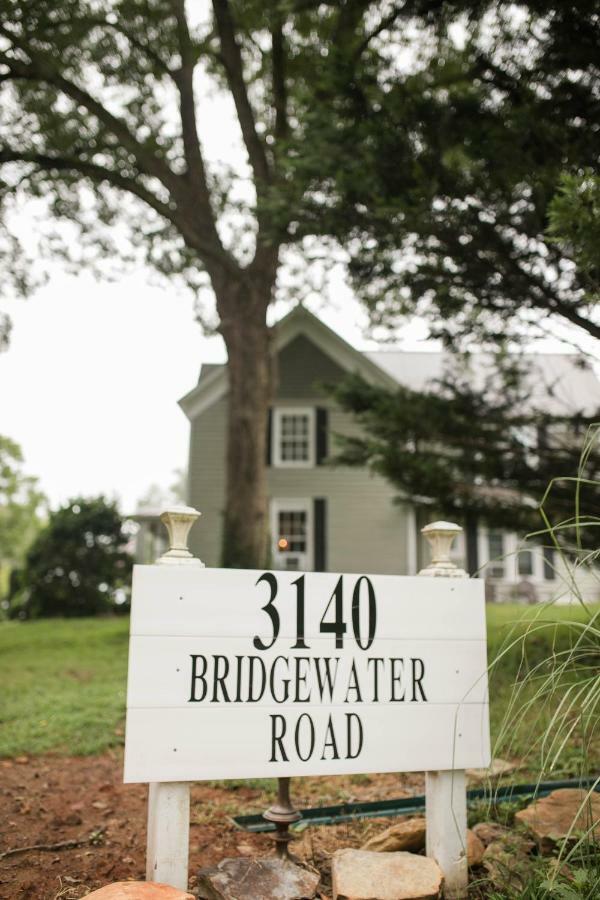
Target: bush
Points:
(77, 566)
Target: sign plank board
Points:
(249, 674)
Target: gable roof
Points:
(213, 381)
(561, 383)
(557, 383)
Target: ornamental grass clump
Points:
(550, 719)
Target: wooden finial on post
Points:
(446, 791)
(168, 835)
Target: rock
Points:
(475, 849)
(367, 875)
(498, 767)
(408, 834)
(246, 878)
(507, 861)
(139, 890)
(490, 831)
(550, 818)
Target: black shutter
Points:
(321, 435)
(320, 533)
(269, 441)
(471, 544)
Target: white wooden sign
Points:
(245, 674)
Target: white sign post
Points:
(446, 790)
(250, 674)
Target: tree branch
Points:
(91, 170)
(196, 240)
(279, 86)
(117, 27)
(234, 70)
(184, 79)
(386, 22)
(196, 221)
(41, 69)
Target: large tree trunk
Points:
(244, 328)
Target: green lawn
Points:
(63, 685)
(64, 680)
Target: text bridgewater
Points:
(324, 680)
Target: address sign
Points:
(249, 674)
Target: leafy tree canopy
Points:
(77, 566)
(21, 504)
(444, 176)
(426, 138)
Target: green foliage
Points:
(468, 449)
(545, 881)
(438, 175)
(77, 566)
(21, 503)
(574, 215)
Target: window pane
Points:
(292, 531)
(295, 434)
(525, 562)
(495, 568)
(549, 573)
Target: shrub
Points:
(77, 566)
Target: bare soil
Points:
(48, 801)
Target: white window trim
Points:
(294, 504)
(512, 544)
(280, 463)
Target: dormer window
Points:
(294, 437)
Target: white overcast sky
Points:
(90, 383)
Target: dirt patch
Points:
(94, 827)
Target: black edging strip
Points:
(344, 812)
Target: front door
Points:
(291, 529)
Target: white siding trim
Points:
(411, 541)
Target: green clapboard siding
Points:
(302, 368)
(365, 530)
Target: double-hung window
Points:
(294, 437)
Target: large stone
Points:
(410, 834)
(507, 861)
(490, 831)
(139, 890)
(368, 875)
(475, 849)
(551, 818)
(497, 768)
(244, 878)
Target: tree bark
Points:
(247, 338)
